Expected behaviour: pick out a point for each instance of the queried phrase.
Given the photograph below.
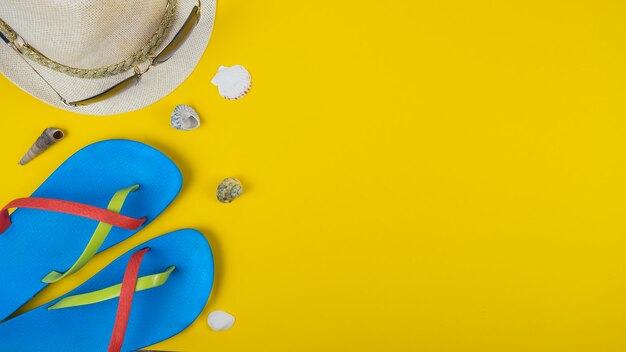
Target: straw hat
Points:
(81, 48)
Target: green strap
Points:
(98, 237)
(143, 283)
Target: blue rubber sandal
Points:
(100, 196)
(167, 281)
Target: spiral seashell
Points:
(232, 82)
(49, 136)
(228, 190)
(184, 118)
(220, 320)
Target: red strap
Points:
(126, 300)
(67, 207)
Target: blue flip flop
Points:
(173, 283)
(100, 196)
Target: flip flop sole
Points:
(39, 242)
(156, 314)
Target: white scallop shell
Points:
(185, 118)
(220, 320)
(232, 82)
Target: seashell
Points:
(220, 320)
(184, 118)
(232, 82)
(228, 190)
(49, 136)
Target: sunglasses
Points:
(181, 36)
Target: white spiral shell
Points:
(185, 118)
(232, 82)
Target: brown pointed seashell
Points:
(49, 136)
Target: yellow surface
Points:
(420, 175)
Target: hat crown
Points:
(84, 33)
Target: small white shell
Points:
(185, 118)
(232, 82)
(220, 320)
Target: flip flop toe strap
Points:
(131, 283)
(127, 292)
(67, 207)
(97, 238)
(107, 219)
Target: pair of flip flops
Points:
(100, 196)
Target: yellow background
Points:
(419, 175)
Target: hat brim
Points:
(154, 85)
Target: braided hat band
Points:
(122, 66)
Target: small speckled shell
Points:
(228, 190)
(185, 118)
